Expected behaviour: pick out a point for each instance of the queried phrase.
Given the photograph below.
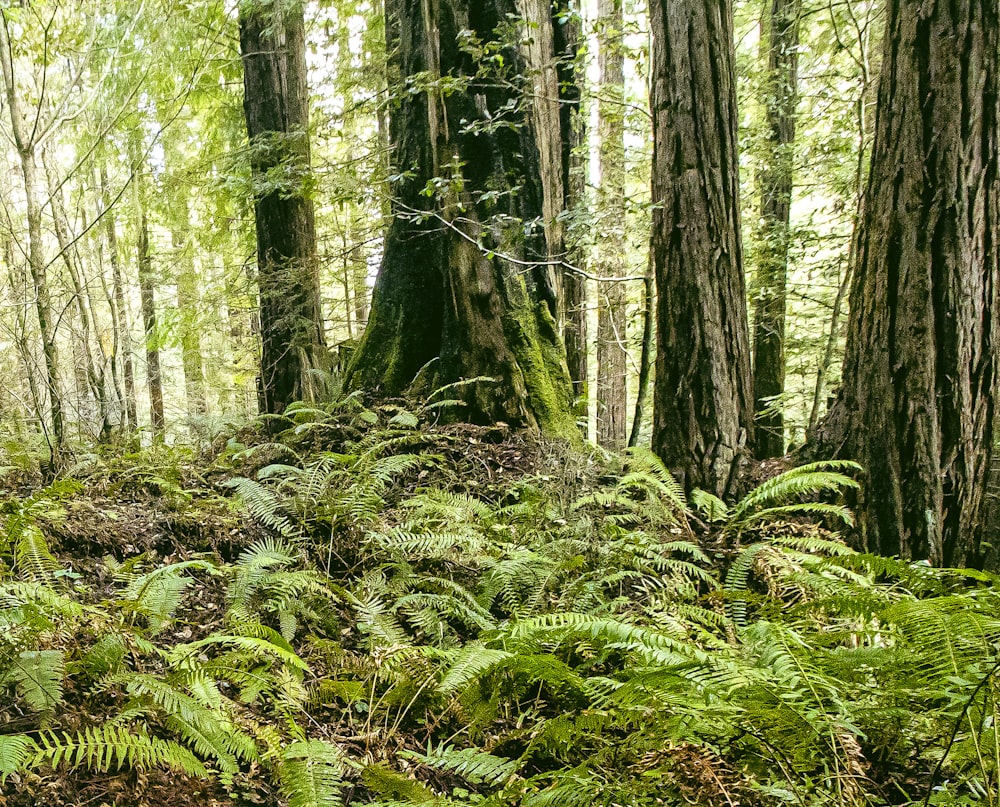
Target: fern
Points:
(15, 752)
(311, 774)
(264, 505)
(104, 748)
(805, 480)
(38, 676)
(473, 765)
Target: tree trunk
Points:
(464, 293)
(119, 311)
(610, 248)
(294, 360)
(26, 151)
(188, 302)
(645, 356)
(703, 395)
(775, 180)
(91, 372)
(147, 296)
(569, 41)
(917, 401)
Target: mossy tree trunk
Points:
(702, 407)
(465, 290)
(294, 358)
(775, 181)
(917, 402)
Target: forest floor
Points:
(374, 609)
(168, 506)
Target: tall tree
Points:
(917, 401)
(276, 103)
(147, 297)
(702, 415)
(465, 290)
(610, 249)
(27, 127)
(780, 88)
(569, 47)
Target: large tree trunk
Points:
(775, 179)
(294, 359)
(610, 249)
(463, 291)
(702, 417)
(916, 405)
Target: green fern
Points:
(475, 766)
(38, 676)
(312, 774)
(15, 752)
(105, 748)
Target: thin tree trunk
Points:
(119, 310)
(645, 357)
(862, 109)
(569, 41)
(828, 351)
(188, 309)
(26, 148)
(610, 250)
(92, 372)
(19, 285)
(147, 295)
(776, 182)
(703, 403)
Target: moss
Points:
(534, 340)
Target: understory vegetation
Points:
(373, 609)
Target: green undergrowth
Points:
(451, 616)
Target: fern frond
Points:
(104, 748)
(822, 509)
(473, 765)
(312, 774)
(806, 480)
(645, 461)
(264, 505)
(709, 505)
(15, 752)
(32, 558)
(472, 662)
(38, 676)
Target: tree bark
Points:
(294, 360)
(610, 249)
(917, 402)
(466, 290)
(569, 41)
(775, 180)
(703, 396)
(147, 296)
